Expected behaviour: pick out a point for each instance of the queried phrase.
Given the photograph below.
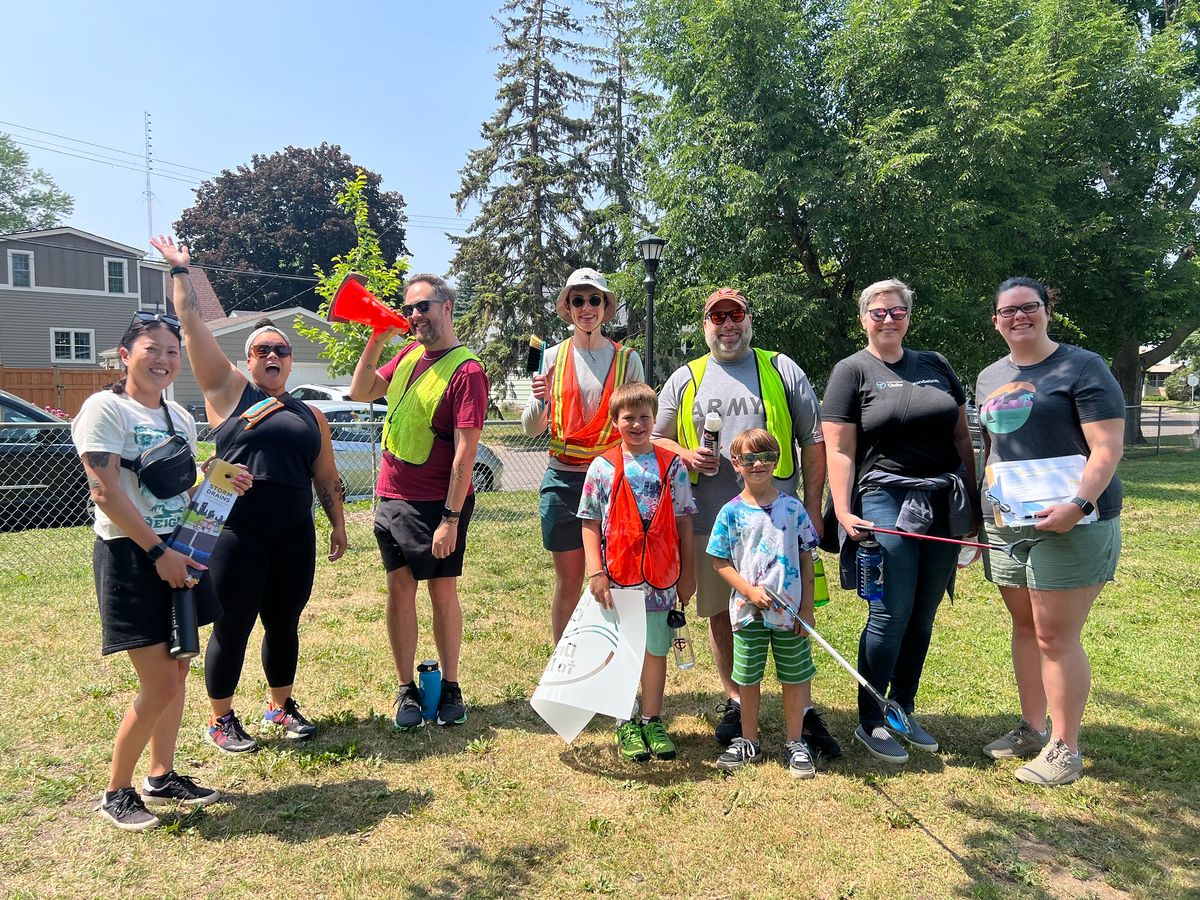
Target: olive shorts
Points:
(1085, 555)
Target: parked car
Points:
(339, 392)
(356, 429)
(42, 482)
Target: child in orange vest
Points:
(636, 506)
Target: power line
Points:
(101, 160)
(101, 146)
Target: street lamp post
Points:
(651, 249)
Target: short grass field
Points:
(501, 807)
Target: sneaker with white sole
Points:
(176, 788)
(1022, 741)
(125, 809)
(1055, 765)
(408, 707)
(800, 760)
(917, 736)
(226, 733)
(290, 719)
(740, 753)
(880, 743)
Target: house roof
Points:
(247, 319)
(77, 232)
(210, 305)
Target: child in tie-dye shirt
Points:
(761, 538)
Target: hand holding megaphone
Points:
(354, 303)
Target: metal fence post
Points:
(1158, 437)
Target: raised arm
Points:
(367, 385)
(217, 377)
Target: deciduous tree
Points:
(29, 198)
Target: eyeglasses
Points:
(1007, 312)
(898, 314)
(170, 321)
(717, 317)
(593, 300)
(421, 306)
(262, 351)
(747, 460)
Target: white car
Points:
(308, 392)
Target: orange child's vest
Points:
(573, 441)
(635, 551)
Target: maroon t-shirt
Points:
(464, 405)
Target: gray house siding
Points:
(28, 318)
(71, 269)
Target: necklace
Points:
(590, 351)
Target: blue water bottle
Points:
(429, 679)
(869, 571)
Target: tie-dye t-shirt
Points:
(764, 544)
(642, 474)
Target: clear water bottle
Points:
(869, 571)
(681, 639)
(968, 555)
(711, 438)
(429, 680)
(820, 583)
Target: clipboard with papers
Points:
(1020, 488)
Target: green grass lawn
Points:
(501, 807)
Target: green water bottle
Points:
(820, 585)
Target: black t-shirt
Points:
(281, 448)
(906, 430)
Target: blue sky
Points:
(402, 87)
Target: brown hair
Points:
(631, 394)
(753, 440)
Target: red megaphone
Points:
(354, 303)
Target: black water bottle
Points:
(185, 633)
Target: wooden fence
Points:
(58, 387)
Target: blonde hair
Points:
(887, 286)
(753, 440)
(631, 394)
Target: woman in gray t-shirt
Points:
(1045, 400)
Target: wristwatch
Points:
(450, 515)
(155, 553)
(1087, 506)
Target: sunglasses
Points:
(747, 460)
(593, 300)
(898, 314)
(718, 318)
(421, 306)
(170, 321)
(1007, 312)
(262, 351)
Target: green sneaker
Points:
(630, 743)
(654, 733)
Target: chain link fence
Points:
(45, 511)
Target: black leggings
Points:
(262, 567)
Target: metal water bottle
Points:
(429, 679)
(711, 437)
(869, 571)
(185, 635)
(681, 639)
(820, 583)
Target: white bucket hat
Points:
(587, 278)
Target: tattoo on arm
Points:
(192, 302)
(94, 483)
(98, 460)
(326, 498)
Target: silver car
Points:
(356, 429)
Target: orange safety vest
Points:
(572, 441)
(636, 551)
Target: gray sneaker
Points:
(408, 707)
(1022, 741)
(917, 737)
(1055, 765)
(800, 760)
(881, 744)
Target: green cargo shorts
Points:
(1085, 555)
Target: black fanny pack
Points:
(168, 468)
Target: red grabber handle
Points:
(930, 537)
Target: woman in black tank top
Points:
(264, 561)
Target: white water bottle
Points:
(711, 438)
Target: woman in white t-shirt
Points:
(136, 572)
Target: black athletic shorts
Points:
(404, 530)
(135, 604)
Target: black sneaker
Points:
(124, 808)
(730, 726)
(817, 736)
(289, 718)
(451, 709)
(741, 752)
(176, 788)
(408, 707)
(226, 733)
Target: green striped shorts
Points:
(793, 662)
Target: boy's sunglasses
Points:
(898, 313)
(718, 317)
(170, 321)
(262, 351)
(747, 460)
(593, 300)
(421, 306)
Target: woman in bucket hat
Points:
(571, 400)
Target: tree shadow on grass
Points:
(479, 873)
(298, 813)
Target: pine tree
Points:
(530, 180)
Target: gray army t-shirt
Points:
(1037, 412)
(731, 390)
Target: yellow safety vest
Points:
(408, 430)
(775, 407)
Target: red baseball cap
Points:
(725, 294)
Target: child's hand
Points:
(599, 585)
(758, 597)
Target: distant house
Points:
(1157, 375)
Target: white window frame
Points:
(17, 251)
(91, 360)
(124, 278)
